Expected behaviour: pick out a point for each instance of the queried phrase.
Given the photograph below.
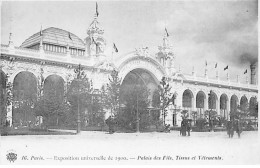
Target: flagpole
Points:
(112, 57)
(228, 73)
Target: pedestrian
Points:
(110, 123)
(238, 128)
(188, 127)
(183, 127)
(230, 129)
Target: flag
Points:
(226, 68)
(216, 65)
(166, 32)
(245, 71)
(97, 9)
(41, 31)
(70, 36)
(206, 63)
(115, 48)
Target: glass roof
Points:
(55, 36)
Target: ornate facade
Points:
(56, 52)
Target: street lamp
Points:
(78, 80)
(137, 115)
(211, 106)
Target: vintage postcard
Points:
(129, 82)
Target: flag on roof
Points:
(167, 32)
(226, 68)
(97, 9)
(216, 65)
(41, 31)
(70, 36)
(245, 71)
(115, 48)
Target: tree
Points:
(194, 115)
(79, 93)
(211, 115)
(113, 93)
(96, 114)
(136, 98)
(165, 97)
(253, 109)
(6, 98)
(47, 107)
(185, 114)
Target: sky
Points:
(222, 32)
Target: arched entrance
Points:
(24, 98)
(200, 98)
(53, 91)
(212, 101)
(233, 103)
(244, 104)
(253, 107)
(223, 105)
(137, 93)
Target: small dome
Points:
(55, 36)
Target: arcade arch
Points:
(223, 105)
(54, 86)
(140, 77)
(243, 103)
(233, 103)
(24, 97)
(213, 101)
(200, 102)
(187, 98)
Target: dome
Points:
(55, 36)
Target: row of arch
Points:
(25, 88)
(222, 105)
(25, 92)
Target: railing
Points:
(45, 55)
(219, 82)
(27, 49)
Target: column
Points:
(206, 105)
(218, 105)
(228, 109)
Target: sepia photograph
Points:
(141, 82)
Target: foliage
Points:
(201, 123)
(6, 97)
(47, 106)
(221, 121)
(96, 114)
(113, 93)
(165, 97)
(79, 94)
(194, 115)
(238, 113)
(254, 109)
(211, 115)
(136, 99)
(184, 114)
(156, 99)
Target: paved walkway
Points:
(135, 148)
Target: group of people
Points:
(185, 127)
(232, 126)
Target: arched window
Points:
(187, 99)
